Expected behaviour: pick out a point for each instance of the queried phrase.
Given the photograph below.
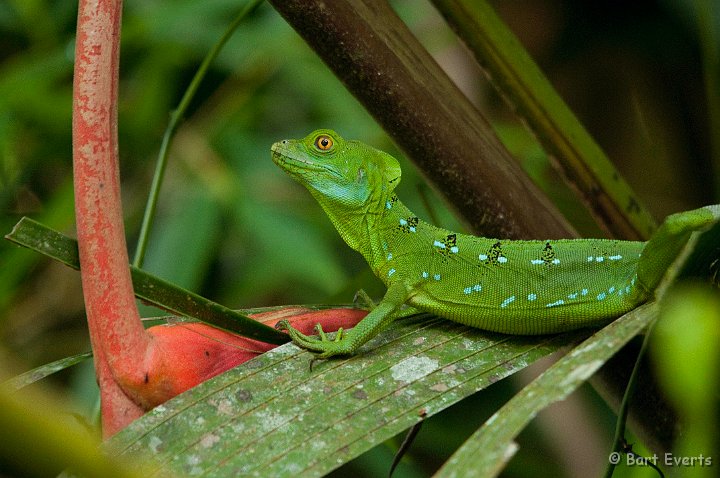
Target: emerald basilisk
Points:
(513, 287)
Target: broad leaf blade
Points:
(489, 449)
(273, 416)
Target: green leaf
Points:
(39, 373)
(149, 288)
(40, 437)
(276, 417)
(687, 361)
(490, 448)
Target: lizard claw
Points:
(322, 345)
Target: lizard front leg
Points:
(347, 342)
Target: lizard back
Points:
(529, 287)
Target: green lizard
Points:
(513, 287)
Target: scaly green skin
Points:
(513, 287)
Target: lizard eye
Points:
(323, 142)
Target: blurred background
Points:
(233, 227)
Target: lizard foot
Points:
(322, 345)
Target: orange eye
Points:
(323, 142)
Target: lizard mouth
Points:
(287, 159)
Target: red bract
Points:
(190, 353)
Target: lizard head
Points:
(337, 172)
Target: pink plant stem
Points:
(136, 370)
(115, 328)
